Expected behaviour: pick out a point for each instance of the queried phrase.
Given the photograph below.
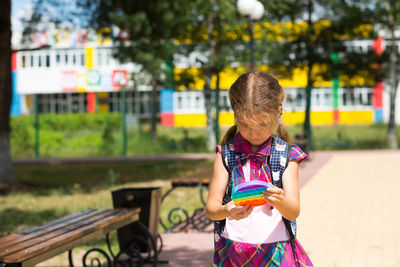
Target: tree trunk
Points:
(391, 134)
(216, 122)
(210, 134)
(153, 109)
(307, 119)
(393, 81)
(310, 46)
(6, 169)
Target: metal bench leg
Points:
(70, 260)
(134, 254)
(94, 260)
(97, 260)
(162, 200)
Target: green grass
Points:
(45, 192)
(91, 176)
(348, 137)
(93, 135)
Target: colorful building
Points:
(78, 73)
(74, 74)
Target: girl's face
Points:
(258, 133)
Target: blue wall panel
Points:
(167, 100)
(16, 98)
(378, 115)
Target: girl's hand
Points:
(238, 212)
(274, 196)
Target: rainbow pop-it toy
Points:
(250, 193)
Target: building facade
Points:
(80, 74)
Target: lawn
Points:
(48, 191)
(94, 135)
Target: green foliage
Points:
(315, 43)
(151, 28)
(22, 136)
(346, 137)
(50, 142)
(90, 135)
(112, 178)
(64, 135)
(215, 30)
(107, 137)
(94, 135)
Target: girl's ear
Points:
(280, 114)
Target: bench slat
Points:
(97, 215)
(56, 221)
(14, 239)
(6, 238)
(79, 241)
(77, 236)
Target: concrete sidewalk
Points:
(350, 213)
(351, 210)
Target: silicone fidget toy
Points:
(250, 193)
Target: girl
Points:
(255, 236)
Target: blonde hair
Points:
(256, 93)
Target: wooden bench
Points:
(40, 243)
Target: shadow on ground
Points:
(184, 256)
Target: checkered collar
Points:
(243, 146)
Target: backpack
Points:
(278, 161)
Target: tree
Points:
(216, 38)
(6, 169)
(148, 30)
(387, 16)
(316, 30)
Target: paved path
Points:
(350, 213)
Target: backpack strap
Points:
(280, 157)
(228, 155)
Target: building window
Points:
(23, 61)
(58, 59)
(99, 58)
(108, 59)
(289, 99)
(188, 101)
(299, 100)
(47, 60)
(179, 102)
(327, 99)
(317, 100)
